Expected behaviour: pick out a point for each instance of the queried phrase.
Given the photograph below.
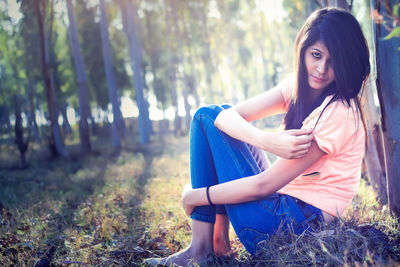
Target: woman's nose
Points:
(321, 68)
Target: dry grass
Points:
(108, 210)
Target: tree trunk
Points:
(55, 139)
(112, 85)
(185, 83)
(32, 123)
(388, 80)
(374, 154)
(206, 55)
(19, 132)
(80, 69)
(66, 126)
(128, 10)
(172, 67)
(193, 81)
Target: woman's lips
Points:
(316, 79)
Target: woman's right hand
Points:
(289, 144)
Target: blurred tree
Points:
(29, 34)
(128, 10)
(52, 38)
(84, 105)
(190, 72)
(56, 142)
(154, 45)
(118, 124)
(172, 64)
(20, 141)
(8, 84)
(199, 29)
(89, 33)
(175, 7)
(12, 79)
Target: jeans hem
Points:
(203, 218)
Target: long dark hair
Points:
(342, 35)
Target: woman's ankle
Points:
(199, 250)
(221, 246)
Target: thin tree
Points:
(20, 141)
(80, 69)
(128, 10)
(55, 140)
(172, 68)
(112, 85)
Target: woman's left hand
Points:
(187, 191)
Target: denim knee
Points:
(209, 110)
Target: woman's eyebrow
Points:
(317, 50)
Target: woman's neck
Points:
(315, 94)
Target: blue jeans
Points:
(216, 158)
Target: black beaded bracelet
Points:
(208, 195)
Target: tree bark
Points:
(388, 80)
(172, 67)
(374, 155)
(19, 132)
(206, 55)
(55, 139)
(32, 123)
(112, 85)
(66, 126)
(193, 81)
(80, 69)
(181, 59)
(128, 10)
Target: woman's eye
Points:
(316, 55)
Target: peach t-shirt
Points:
(331, 182)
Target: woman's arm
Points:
(235, 122)
(253, 187)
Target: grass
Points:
(108, 210)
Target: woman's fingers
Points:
(303, 148)
(298, 132)
(300, 151)
(304, 139)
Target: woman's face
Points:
(319, 66)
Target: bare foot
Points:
(186, 257)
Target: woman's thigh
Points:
(255, 221)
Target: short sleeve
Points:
(333, 127)
(286, 87)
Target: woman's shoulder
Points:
(286, 86)
(335, 112)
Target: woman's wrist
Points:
(195, 196)
(264, 140)
(208, 196)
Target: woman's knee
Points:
(210, 110)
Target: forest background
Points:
(96, 98)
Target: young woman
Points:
(321, 148)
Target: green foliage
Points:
(394, 33)
(90, 43)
